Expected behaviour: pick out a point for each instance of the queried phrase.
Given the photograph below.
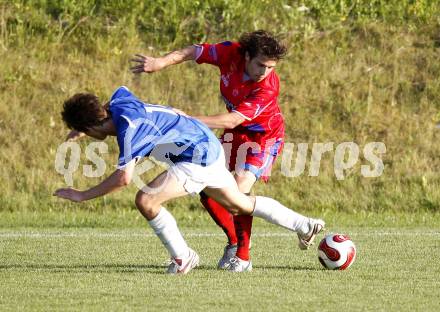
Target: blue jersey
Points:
(154, 130)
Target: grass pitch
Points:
(123, 269)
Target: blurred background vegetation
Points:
(356, 70)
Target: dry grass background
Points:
(356, 71)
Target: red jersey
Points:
(254, 101)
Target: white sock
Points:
(165, 227)
(272, 211)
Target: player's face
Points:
(259, 67)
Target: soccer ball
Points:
(336, 252)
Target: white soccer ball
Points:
(336, 252)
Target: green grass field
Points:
(122, 268)
(358, 71)
(378, 81)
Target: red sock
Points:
(221, 216)
(243, 228)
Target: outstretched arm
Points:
(148, 64)
(222, 121)
(116, 181)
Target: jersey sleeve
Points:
(258, 101)
(215, 54)
(120, 92)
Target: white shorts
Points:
(196, 177)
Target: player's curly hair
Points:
(261, 42)
(83, 111)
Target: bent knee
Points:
(237, 210)
(145, 202)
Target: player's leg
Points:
(243, 223)
(225, 220)
(240, 225)
(256, 166)
(268, 209)
(219, 214)
(149, 201)
(222, 218)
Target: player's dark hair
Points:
(263, 43)
(83, 111)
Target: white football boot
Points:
(228, 254)
(306, 239)
(237, 265)
(183, 265)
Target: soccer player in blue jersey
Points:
(196, 163)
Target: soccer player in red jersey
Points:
(254, 127)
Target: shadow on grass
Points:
(132, 268)
(99, 268)
(287, 268)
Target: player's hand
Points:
(146, 64)
(70, 194)
(74, 135)
(180, 112)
